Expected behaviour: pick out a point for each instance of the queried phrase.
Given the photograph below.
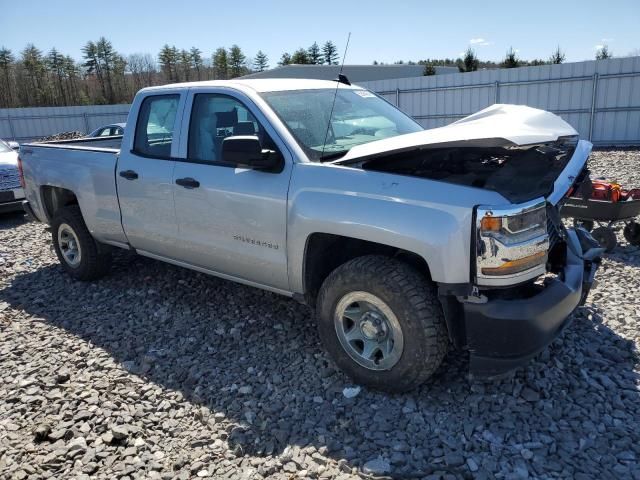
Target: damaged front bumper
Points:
(502, 334)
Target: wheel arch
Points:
(55, 198)
(324, 252)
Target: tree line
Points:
(469, 62)
(104, 76)
(33, 78)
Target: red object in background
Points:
(608, 191)
(633, 194)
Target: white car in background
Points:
(110, 130)
(11, 193)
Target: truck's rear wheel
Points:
(382, 323)
(78, 252)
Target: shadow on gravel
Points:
(12, 220)
(626, 254)
(255, 357)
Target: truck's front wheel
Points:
(78, 252)
(382, 323)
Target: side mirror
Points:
(14, 145)
(246, 151)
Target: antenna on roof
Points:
(341, 79)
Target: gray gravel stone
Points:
(159, 372)
(377, 466)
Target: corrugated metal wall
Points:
(30, 123)
(601, 99)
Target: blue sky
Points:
(412, 29)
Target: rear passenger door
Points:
(231, 220)
(144, 175)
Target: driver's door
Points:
(231, 220)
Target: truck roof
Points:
(258, 84)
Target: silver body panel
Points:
(232, 223)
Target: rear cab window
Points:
(155, 126)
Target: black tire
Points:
(632, 233)
(94, 260)
(586, 224)
(414, 302)
(606, 238)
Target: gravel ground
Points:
(159, 372)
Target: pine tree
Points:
(429, 69)
(106, 56)
(470, 61)
(285, 59)
(261, 62)
(221, 63)
(510, 59)
(237, 61)
(56, 65)
(71, 74)
(557, 57)
(93, 67)
(603, 53)
(7, 64)
(34, 91)
(196, 61)
(300, 57)
(168, 58)
(330, 52)
(184, 60)
(314, 55)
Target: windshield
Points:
(4, 148)
(359, 117)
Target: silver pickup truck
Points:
(405, 240)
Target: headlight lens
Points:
(511, 243)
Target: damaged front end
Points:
(528, 273)
(518, 173)
(503, 328)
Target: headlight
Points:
(511, 244)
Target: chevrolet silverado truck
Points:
(406, 241)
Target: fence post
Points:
(496, 96)
(594, 95)
(13, 133)
(398, 97)
(86, 122)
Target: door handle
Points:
(188, 182)
(129, 174)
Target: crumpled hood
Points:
(516, 124)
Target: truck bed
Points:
(84, 166)
(96, 143)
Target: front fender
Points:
(431, 219)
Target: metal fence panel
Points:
(600, 99)
(23, 124)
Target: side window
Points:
(215, 117)
(154, 129)
(104, 132)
